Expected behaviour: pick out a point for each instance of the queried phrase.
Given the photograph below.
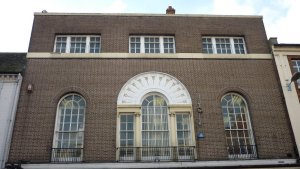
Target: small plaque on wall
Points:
(200, 135)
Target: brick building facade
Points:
(106, 59)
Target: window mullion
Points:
(232, 47)
(142, 44)
(70, 123)
(213, 40)
(129, 40)
(87, 44)
(161, 44)
(68, 45)
(244, 44)
(174, 46)
(55, 44)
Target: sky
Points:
(281, 17)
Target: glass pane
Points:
(233, 125)
(68, 112)
(123, 126)
(130, 135)
(123, 118)
(123, 143)
(123, 135)
(73, 127)
(74, 118)
(238, 134)
(66, 126)
(155, 118)
(130, 126)
(73, 136)
(130, 118)
(240, 125)
(241, 134)
(80, 126)
(130, 143)
(234, 134)
(80, 118)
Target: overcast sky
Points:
(281, 17)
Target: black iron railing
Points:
(66, 155)
(242, 152)
(186, 153)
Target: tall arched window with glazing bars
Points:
(69, 129)
(238, 129)
(155, 127)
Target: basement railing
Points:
(133, 154)
(66, 155)
(246, 152)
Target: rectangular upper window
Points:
(152, 44)
(77, 44)
(223, 45)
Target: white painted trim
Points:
(44, 55)
(57, 122)
(153, 15)
(249, 124)
(285, 49)
(291, 97)
(13, 112)
(153, 82)
(142, 43)
(229, 163)
(68, 42)
(9, 78)
(231, 41)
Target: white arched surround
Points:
(129, 105)
(137, 87)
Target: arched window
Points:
(239, 135)
(155, 128)
(69, 129)
(154, 119)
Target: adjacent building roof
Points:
(12, 62)
(287, 45)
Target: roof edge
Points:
(146, 14)
(287, 45)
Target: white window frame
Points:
(68, 42)
(57, 131)
(137, 112)
(183, 130)
(167, 114)
(249, 129)
(161, 43)
(127, 148)
(185, 147)
(231, 39)
(167, 130)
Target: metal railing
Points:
(242, 152)
(66, 155)
(184, 153)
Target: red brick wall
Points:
(115, 30)
(100, 81)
